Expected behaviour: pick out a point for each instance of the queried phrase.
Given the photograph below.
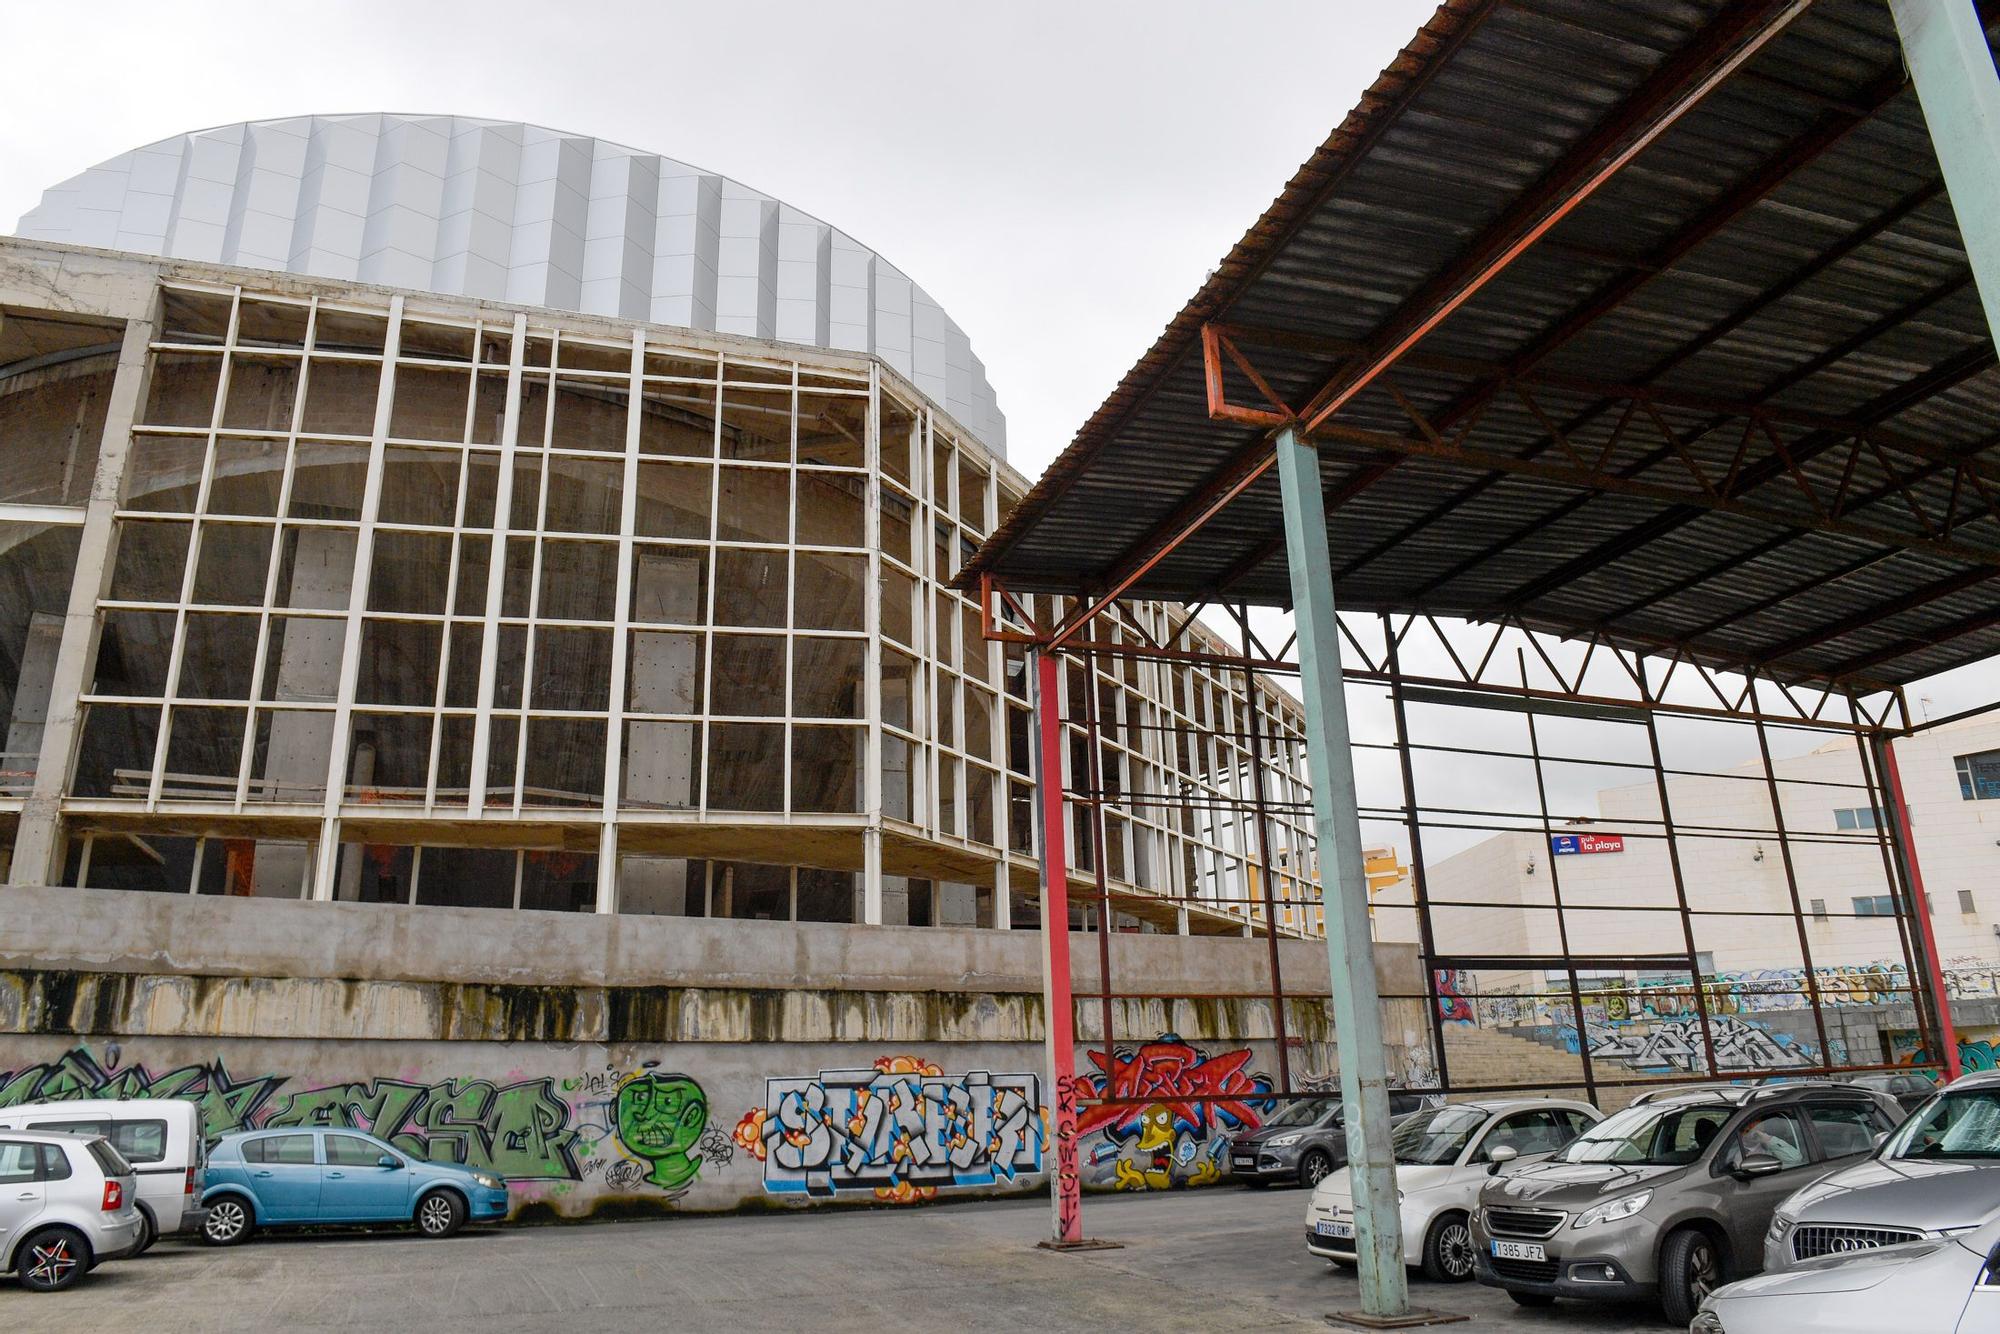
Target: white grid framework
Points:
(431, 601)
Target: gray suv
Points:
(1938, 1175)
(1668, 1199)
(1306, 1141)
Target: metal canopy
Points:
(1702, 366)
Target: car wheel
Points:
(149, 1232)
(1315, 1167)
(1448, 1250)
(1690, 1269)
(440, 1213)
(52, 1259)
(1531, 1298)
(229, 1221)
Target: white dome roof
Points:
(518, 213)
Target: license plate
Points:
(1246, 1162)
(1519, 1250)
(1326, 1229)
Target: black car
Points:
(1909, 1091)
(1304, 1141)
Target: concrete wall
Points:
(640, 1064)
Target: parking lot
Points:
(1206, 1260)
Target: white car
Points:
(1443, 1156)
(66, 1204)
(1942, 1285)
(162, 1139)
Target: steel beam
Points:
(1899, 810)
(1944, 44)
(1058, 1004)
(1357, 1016)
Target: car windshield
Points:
(1304, 1113)
(1965, 1124)
(1652, 1134)
(1437, 1134)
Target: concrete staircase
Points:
(1482, 1056)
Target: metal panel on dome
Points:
(504, 211)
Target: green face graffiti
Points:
(660, 1117)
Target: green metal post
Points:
(1952, 66)
(1343, 887)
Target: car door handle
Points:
(25, 1195)
(266, 1172)
(336, 1176)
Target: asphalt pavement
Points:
(1221, 1259)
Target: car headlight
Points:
(1284, 1141)
(1612, 1210)
(1781, 1226)
(490, 1182)
(1707, 1322)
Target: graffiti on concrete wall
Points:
(1165, 1110)
(1452, 1005)
(228, 1102)
(901, 1128)
(523, 1129)
(1736, 992)
(1978, 1049)
(1675, 1044)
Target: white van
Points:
(162, 1139)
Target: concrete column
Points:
(1952, 66)
(614, 730)
(38, 845)
(1357, 1010)
(871, 760)
(496, 572)
(32, 690)
(357, 603)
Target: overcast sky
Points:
(1059, 176)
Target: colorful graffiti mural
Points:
(902, 1128)
(1165, 1109)
(524, 1129)
(660, 1120)
(1978, 1049)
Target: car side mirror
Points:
(1758, 1165)
(1499, 1156)
(386, 1161)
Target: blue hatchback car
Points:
(307, 1178)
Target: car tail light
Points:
(189, 1188)
(114, 1196)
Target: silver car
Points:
(1937, 1174)
(67, 1202)
(1946, 1285)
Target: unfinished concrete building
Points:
(454, 513)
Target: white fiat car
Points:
(1443, 1156)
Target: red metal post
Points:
(1059, 1009)
(1921, 909)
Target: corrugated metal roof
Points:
(1785, 246)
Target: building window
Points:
(1979, 776)
(1857, 817)
(1875, 905)
(1965, 903)
(1819, 909)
